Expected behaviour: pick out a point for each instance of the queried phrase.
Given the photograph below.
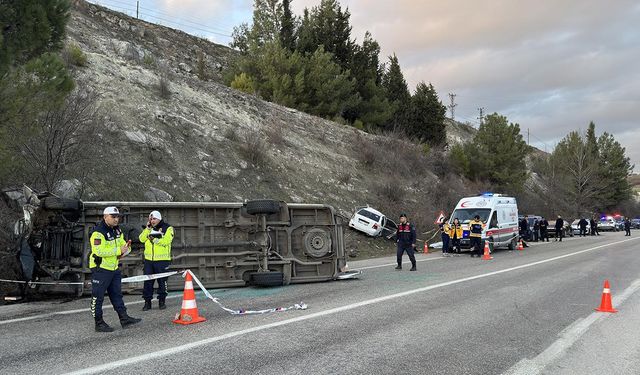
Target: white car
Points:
(372, 222)
(607, 225)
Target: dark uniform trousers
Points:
(104, 281)
(151, 267)
(402, 247)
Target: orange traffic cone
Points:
(605, 305)
(426, 248)
(189, 312)
(487, 252)
(520, 247)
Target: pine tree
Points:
(397, 93)
(287, 27)
(426, 116)
(615, 169)
(497, 154)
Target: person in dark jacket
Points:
(559, 228)
(406, 240)
(536, 230)
(476, 226)
(544, 226)
(583, 227)
(594, 227)
(627, 227)
(445, 230)
(524, 228)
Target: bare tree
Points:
(61, 139)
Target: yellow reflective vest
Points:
(157, 248)
(106, 243)
(475, 228)
(456, 231)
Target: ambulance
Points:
(498, 212)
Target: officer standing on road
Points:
(475, 236)
(524, 228)
(107, 246)
(583, 227)
(406, 240)
(627, 227)
(544, 226)
(444, 235)
(536, 230)
(559, 228)
(594, 227)
(157, 238)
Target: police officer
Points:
(444, 235)
(559, 228)
(157, 238)
(583, 226)
(107, 246)
(406, 240)
(544, 226)
(536, 230)
(627, 227)
(475, 236)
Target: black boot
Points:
(398, 267)
(126, 320)
(147, 305)
(413, 268)
(102, 326)
(161, 304)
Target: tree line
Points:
(584, 173)
(312, 63)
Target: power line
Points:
(151, 17)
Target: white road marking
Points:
(567, 338)
(181, 348)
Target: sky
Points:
(550, 66)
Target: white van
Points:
(499, 213)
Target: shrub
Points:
(73, 55)
(244, 83)
(231, 134)
(253, 148)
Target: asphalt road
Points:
(525, 312)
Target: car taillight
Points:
(375, 226)
(489, 233)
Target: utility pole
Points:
(481, 117)
(137, 9)
(452, 106)
(528, 143)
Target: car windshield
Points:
(465, 215)
(369, 215)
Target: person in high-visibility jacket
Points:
(475, 236)
(456, 235)
(445, 229)
(107, 247)
(157, 238)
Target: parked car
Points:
(635, 223)
(607, 224)
(372, 222)
(619, 220)
(575, 228)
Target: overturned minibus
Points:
(258, 242)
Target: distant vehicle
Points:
(575, 228)
(619, 220)
(607, 224)
(372, 222)
(635, 223)
(567, 231)
(499, 213)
